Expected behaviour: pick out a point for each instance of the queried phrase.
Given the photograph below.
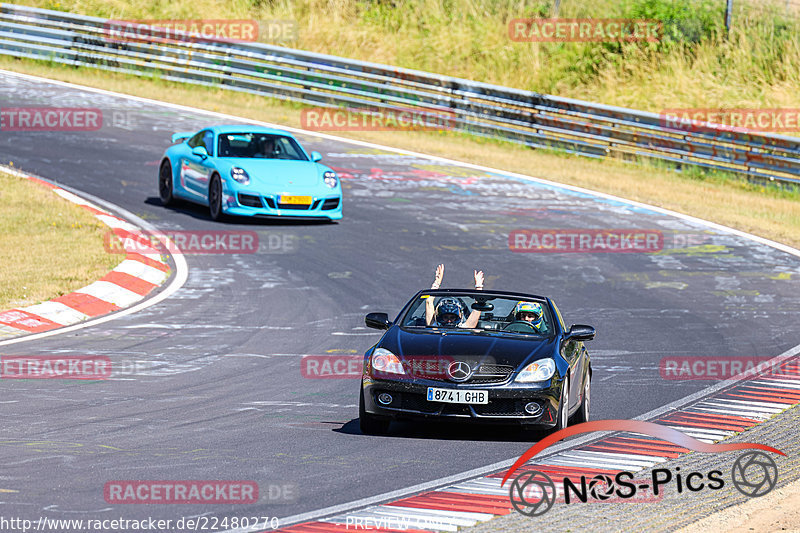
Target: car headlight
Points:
(540, 370)
(330, 178)
(386, 362)
(240, 175)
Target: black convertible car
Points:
(475, 355)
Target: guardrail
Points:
(536, 120)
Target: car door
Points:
(196, 171)
(575, 354)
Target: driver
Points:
(267, 147)
(530, 312)
(448, 312)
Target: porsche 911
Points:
(249, 171)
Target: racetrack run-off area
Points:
(141, 271)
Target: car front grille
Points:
(491, 374)
(501, 407)
(437, 371)
(418, 402)
(300, 207)
(250, 200)
(330, 203)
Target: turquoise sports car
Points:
(249, 171)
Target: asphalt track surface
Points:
(219, 394)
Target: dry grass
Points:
(50, 246)
(765, 212)
(758, 66)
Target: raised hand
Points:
(437, 282)
(478, 279)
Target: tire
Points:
(165, 183)
(371, 424)
(215, 198)
(583, 411)
(563, 407)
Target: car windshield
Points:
(500, 314)
(260, 146)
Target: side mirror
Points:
(316, 156)
(200, 151)
(377, 321)
(181, 136)
(579, 332)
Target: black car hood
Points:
(472, 347)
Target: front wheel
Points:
(563, 407)
(370, 424)
(165, 183)
(583, 412)
(215, 198)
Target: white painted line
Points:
(444, 515)
(75, 199)
(57, 312)
(8, 331)
(778, 407)
(746, 414)
(701, 437)
(711, 431)
(620, 455)
(736, 408)
(605, 464)
(111, 292)
(368, 519)
(139, 270)
(466, 489)
(781, 384)
(716, 435)
(400, 515)
(619, 459)
(115, 222)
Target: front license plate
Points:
(297, 200)
(457, 396)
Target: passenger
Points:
(448, 312)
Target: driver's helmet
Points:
(532, 308)
(448, 312)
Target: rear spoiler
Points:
(181, 136)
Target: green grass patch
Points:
(695, 64)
